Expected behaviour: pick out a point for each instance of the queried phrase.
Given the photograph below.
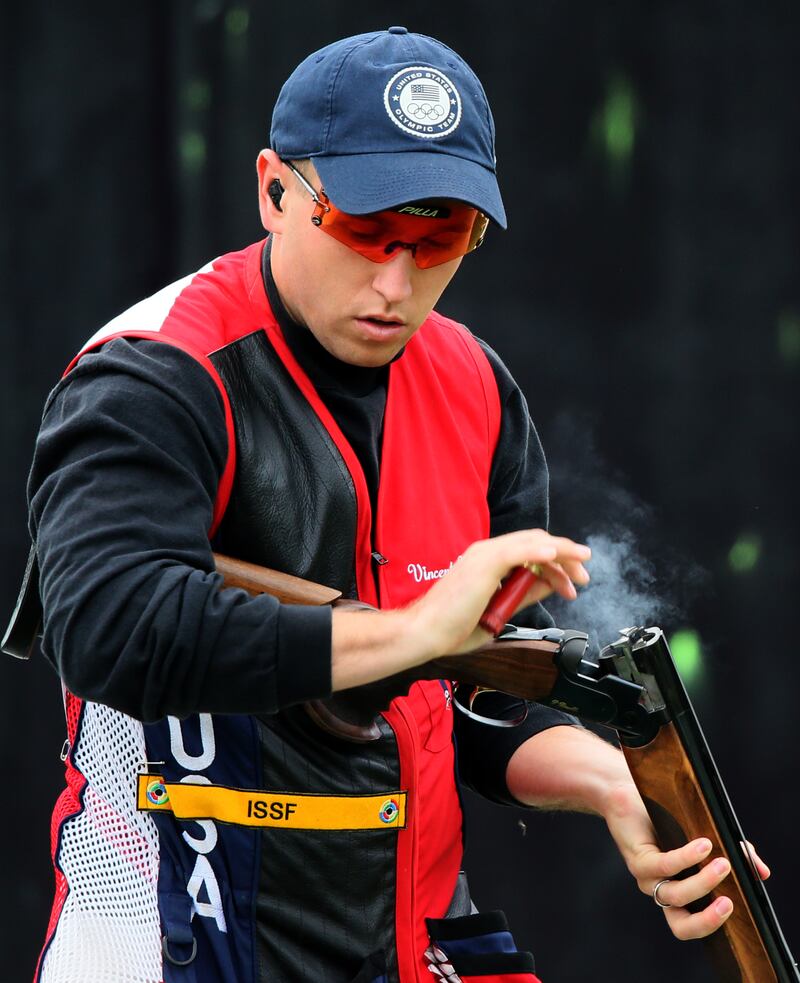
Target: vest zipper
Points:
(378, 561)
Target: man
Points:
(300, 405)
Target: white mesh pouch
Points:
(109, 927)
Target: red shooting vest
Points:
(441, 427)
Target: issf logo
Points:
(157, 793)
(389, 811)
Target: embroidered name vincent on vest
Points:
(421, 573)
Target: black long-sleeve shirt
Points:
(125, 472)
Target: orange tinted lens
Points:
(460, 236)
(368, 235)
(434, 234)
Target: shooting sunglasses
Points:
(433, 231)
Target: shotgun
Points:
(633, 688)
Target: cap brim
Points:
(362, 183)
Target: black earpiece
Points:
(275, 191)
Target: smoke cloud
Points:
(638, 577)
(624, 591)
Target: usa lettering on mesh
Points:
(109, 926)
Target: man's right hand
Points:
(370, 646)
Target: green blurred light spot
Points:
(198, 95)
(237, 20)
(193, 150)
(615, 122)
(687, 653)
(789, 336)
(745, 553)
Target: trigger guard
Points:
(488, 721)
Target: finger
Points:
(556, 577)
(545, 585)
(651, 865)
(680, 893)
(496, 557)
(687, 925)
(538, 546)
(761, 868)
(576, 572)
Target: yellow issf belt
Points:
(253, 807)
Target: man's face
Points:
(362, 312)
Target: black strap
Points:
(25, 625)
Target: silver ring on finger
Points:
(655, 893)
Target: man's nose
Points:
(394, 279)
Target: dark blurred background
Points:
(646, 296)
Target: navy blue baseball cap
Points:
(388, 118)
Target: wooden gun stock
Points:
(675, 772)
(679, 812)
(261, 580)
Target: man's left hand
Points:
(572, 768)
(634, 835)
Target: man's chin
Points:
(368, 351)
(369, 358)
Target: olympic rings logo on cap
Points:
(423, 102)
